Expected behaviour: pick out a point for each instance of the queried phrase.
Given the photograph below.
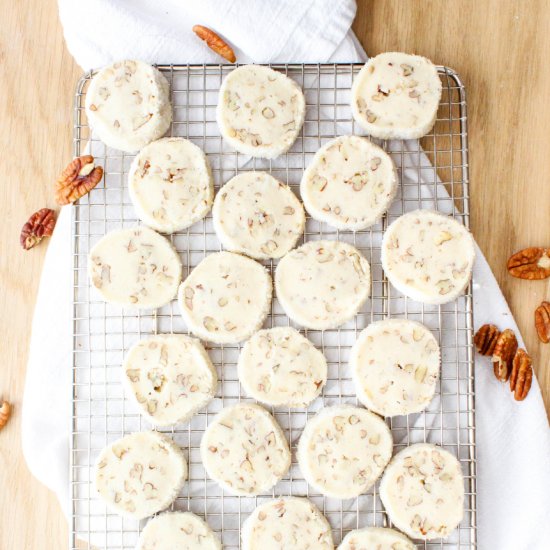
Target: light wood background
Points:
(500, 49)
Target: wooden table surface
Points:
(498, 47)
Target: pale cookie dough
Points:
(135, 268)
(286, 523)
(128, 105)
(178, 530)
(343, 451)
(423, 491)
(244, 450)
(170, 184)
(349, 184)
(257, 215)
(140, 474)
(170, 376)
(396, 95)
(395, 366)
(260, 111)
(428, 256)
(279, 367)
(322, 284)
(376, 538)
(226, 298)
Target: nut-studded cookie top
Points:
(322, 284)
(128, 105)
(380, 538)
(245, 450)
(395, 366)
(349, 184)
(135, 268)
(428, 256)
(287, 522)
(343, 450)
(396, 95)
(423, 491)
(260, 111)
(140, 474)
(226, 298)
(170, 376)
(170, 184)
(257, 215)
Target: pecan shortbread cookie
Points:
(380, 538)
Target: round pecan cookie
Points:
(349, 184)
(140, 474)
(245, 450)
(226, 298)
(380, 538)
(260, 111)
(128, 105)
(322, 284)
(423, 491)
(343, 450)
(396, 96)
(170, 184)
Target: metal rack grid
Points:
(102, 332)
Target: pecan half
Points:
(522, 375)
(542, 322)
(530, 263)
(79, 178)
(38, 226)
(486, 338)
(503, 354)
(214, 42)
(5, 411)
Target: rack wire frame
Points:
(102, 332)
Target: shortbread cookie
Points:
(396, 95)
(423, 491)
(244, 450)
(322, 284)
(379, 538)
(170, 184)
(395, 365)
(140, 474)
(260, 111)
(285, 523)
(428, 256)
(128, 105)
(257, 215)
(170, 376)
(181, 530)
(135, 268)
(279, 367)
(226, 298)
(343, 451)
(349, 184)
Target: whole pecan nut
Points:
(530, 263)
(542, 322)
(38, 226)
(503, 354)
(485, 339)
(78, 178)
(522, 375)
(214, 42)
(5, 411)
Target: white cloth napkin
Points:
(513, 439)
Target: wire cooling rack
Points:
(433, 174)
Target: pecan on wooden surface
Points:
(542, 322)
(38, 226)
(485, 339)
(530, 263)
(215, 43)
(522, 375)
(78, 178)
(5, 411)
(503, 354)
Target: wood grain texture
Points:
(498, 47)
